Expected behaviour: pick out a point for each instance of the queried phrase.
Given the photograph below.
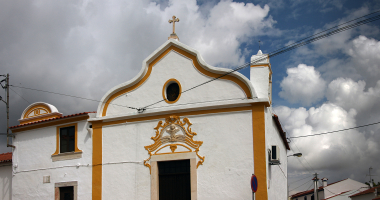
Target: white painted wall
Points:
(176, 66)
(6, 181)
(227, 146)
(32, 156)
(276, 174)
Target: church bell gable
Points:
(174, 62)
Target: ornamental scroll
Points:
(174, 133)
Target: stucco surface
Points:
(32, 156)
(276, 174)
(227, 146)
(6, 181)
(175, 65)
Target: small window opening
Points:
(67, 139)
(172, 91)
(174, 180)
(66, 193)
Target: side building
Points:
(158, 135)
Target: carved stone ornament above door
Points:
(174, 133)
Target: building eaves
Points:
(281, 131)
(49, 120)
(6, 157)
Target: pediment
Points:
(174, 61)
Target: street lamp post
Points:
(287, 178)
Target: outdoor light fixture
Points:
(296, 155)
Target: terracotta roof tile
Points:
(6, 157)
(51, 119)
(370, 190)
(282, 133)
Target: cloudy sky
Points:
(84, 48)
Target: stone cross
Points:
(174, 21)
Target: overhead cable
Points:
(318, 36)
(72, 96)
(303, 136)
(20, 95)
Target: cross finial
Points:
(173, 20)
(259, 45)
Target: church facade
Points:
(181, 129)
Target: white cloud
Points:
(334, 154)
(366, 58)
(303, 85)
(350, 94)
(84, 48)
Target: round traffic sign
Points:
(254, 183)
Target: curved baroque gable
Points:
(39, 111)
(169, 46)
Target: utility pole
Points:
(316, 186)
(370, 178)
(7, 107)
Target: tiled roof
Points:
(371, 190)
(282, 133)
(51, 119)
(299, 194)
(6, 157)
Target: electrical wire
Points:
(310, 186)
(282, 171)
(72, 96)
(298, 149)
(20, 95)
(244, 98)
(299, 186)
(303, 136)
(300, 180)
(293, 46)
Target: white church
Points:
(183, 142)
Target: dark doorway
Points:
(174, 180)
(66, 193)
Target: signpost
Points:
(253, 185)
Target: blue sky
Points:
(84, 48)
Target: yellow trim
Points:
(37, 112)
(97, 159)
(25, 121)
(242, 84)
(186, 138)
(97, 139)
(50, 123)
(76, 149)
(259, 151)
(164, 90)
(35, 107)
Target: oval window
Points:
(171, 91)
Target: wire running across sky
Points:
(346, 129)
(315, 37)
(318, 36)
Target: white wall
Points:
(277, 178)
(227, 147)
(174, 65)
(5, 181)
(33, 157)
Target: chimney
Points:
(261, 75)
(324, 182)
